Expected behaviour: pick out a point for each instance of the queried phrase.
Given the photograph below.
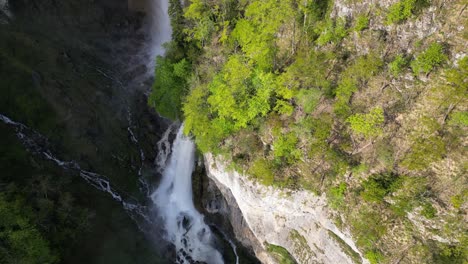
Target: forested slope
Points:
(364, 101)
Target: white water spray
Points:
(183, 223)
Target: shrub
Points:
(428, 210)
(397, 65)
(308, 99)
(374, 257)
(400, 11)
(423, 152)
(262, 170)
(408, 192)
(367, 125)
(332, 31)
(169, 86)
(433, 56)
(459, 118)
(362, 22)
(457, 201)
(284, 147)
(281, 254)
(368, 227)
(336, 195)
(378, 186)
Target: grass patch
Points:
(355, 257)
(280, 254)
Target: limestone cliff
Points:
(295, 220)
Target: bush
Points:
(433, 56)
(459, 119)
(428, 211)
(374, 257)
(332, 31)
(423, 152)
(367, 125)
(336, 195)
(397, 65)
(457, 201)
(362, 22)
(378, 186)
(308, 99)
(400, 11)
(408, 192)
(262, 170)
(281, 254)
(284, 147)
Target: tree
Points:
(429, 59)
(169, 87)
(367, 125)
(21, 240)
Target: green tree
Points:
(433, 56)
(285, 147)
(362, 22)
(21, 240)
(397, 66)
(367, 125)
(336, 195)
(169, 87)
(402, 10)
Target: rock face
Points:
(297, 221)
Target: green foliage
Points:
(281, 254)
(198, 14)
(308, 99)
(238, 94)
(169, 87)
(336, 195)
(367, 228)
(378, 186)
(428, 210)
(451, 253)
(457, 76)
(423, 152)
(409, 192)
(197, 121)
(433, 56)
(21, 240)
(332, 31)
(362, 22)
(285, 148)
(284, 107)
(262, 170)
(397, 66)
(367, 125)
(457, 201)
(401, 11)
(359, 72)
(255, 33)
(459, 119)
(374, 257)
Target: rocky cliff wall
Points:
(295, 220)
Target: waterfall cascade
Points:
(184, 225)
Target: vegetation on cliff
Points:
(301, 95)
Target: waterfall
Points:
(184, 225)
(160, 28)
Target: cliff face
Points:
(295, 220)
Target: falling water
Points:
(184, 225)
